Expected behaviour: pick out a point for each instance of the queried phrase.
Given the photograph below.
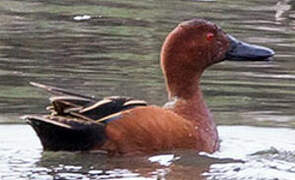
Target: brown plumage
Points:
(150, 129)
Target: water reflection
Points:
(265, 154)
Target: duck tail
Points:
(58, 133)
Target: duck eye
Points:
(209, 36)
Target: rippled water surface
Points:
(106, 48)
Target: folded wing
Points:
(75, 121)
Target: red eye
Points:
(210, 36)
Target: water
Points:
(112, 48)
(261, 154)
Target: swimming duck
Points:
(126, 126)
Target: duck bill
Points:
(240, 51)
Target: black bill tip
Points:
(240, 51)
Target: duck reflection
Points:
(171, 165)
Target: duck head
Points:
(196, 44)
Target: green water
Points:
(116, 52)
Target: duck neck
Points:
(191, 105)
(185, 93)
(194, 109)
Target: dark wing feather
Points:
(77, 122)
(108, 106)
(71, 104)
(64, 104)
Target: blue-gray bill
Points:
(240, 51)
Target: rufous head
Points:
(196, 44)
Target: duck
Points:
(118, 125)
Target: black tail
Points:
(61, 134)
